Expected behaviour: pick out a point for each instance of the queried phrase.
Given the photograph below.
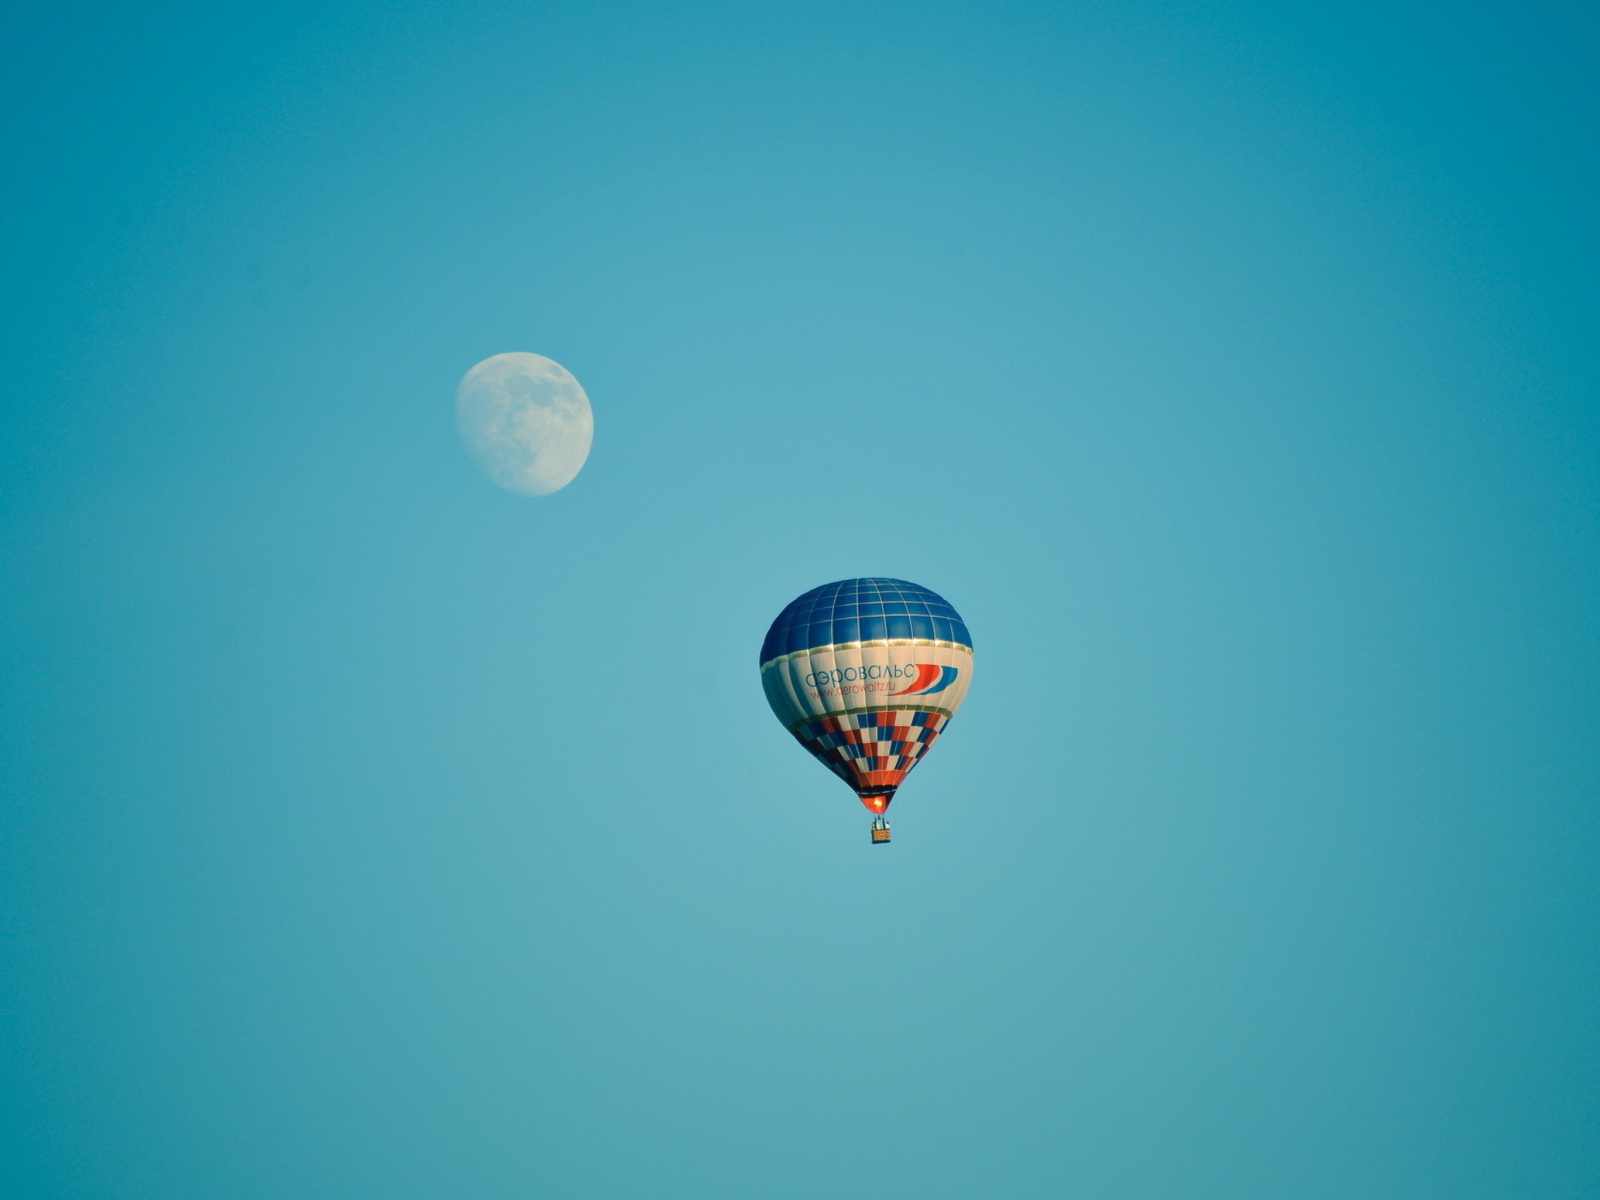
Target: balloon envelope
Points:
(866, 674)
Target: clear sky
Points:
(370, 833)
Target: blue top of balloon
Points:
(863, 610)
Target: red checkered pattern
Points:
(872, 751)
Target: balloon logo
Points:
(930, 678)
(866, 674)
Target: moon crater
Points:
(526, 422)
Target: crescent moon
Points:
(526, 422)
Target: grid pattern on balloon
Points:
(872, 749)
(863, 610)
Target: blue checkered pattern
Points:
(854, 745)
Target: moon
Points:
(526, 422)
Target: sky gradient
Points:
(369, 832)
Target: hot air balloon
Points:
(866, 673)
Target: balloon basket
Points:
(880, 831)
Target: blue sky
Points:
(371, 832)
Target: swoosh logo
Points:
(930, 678)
